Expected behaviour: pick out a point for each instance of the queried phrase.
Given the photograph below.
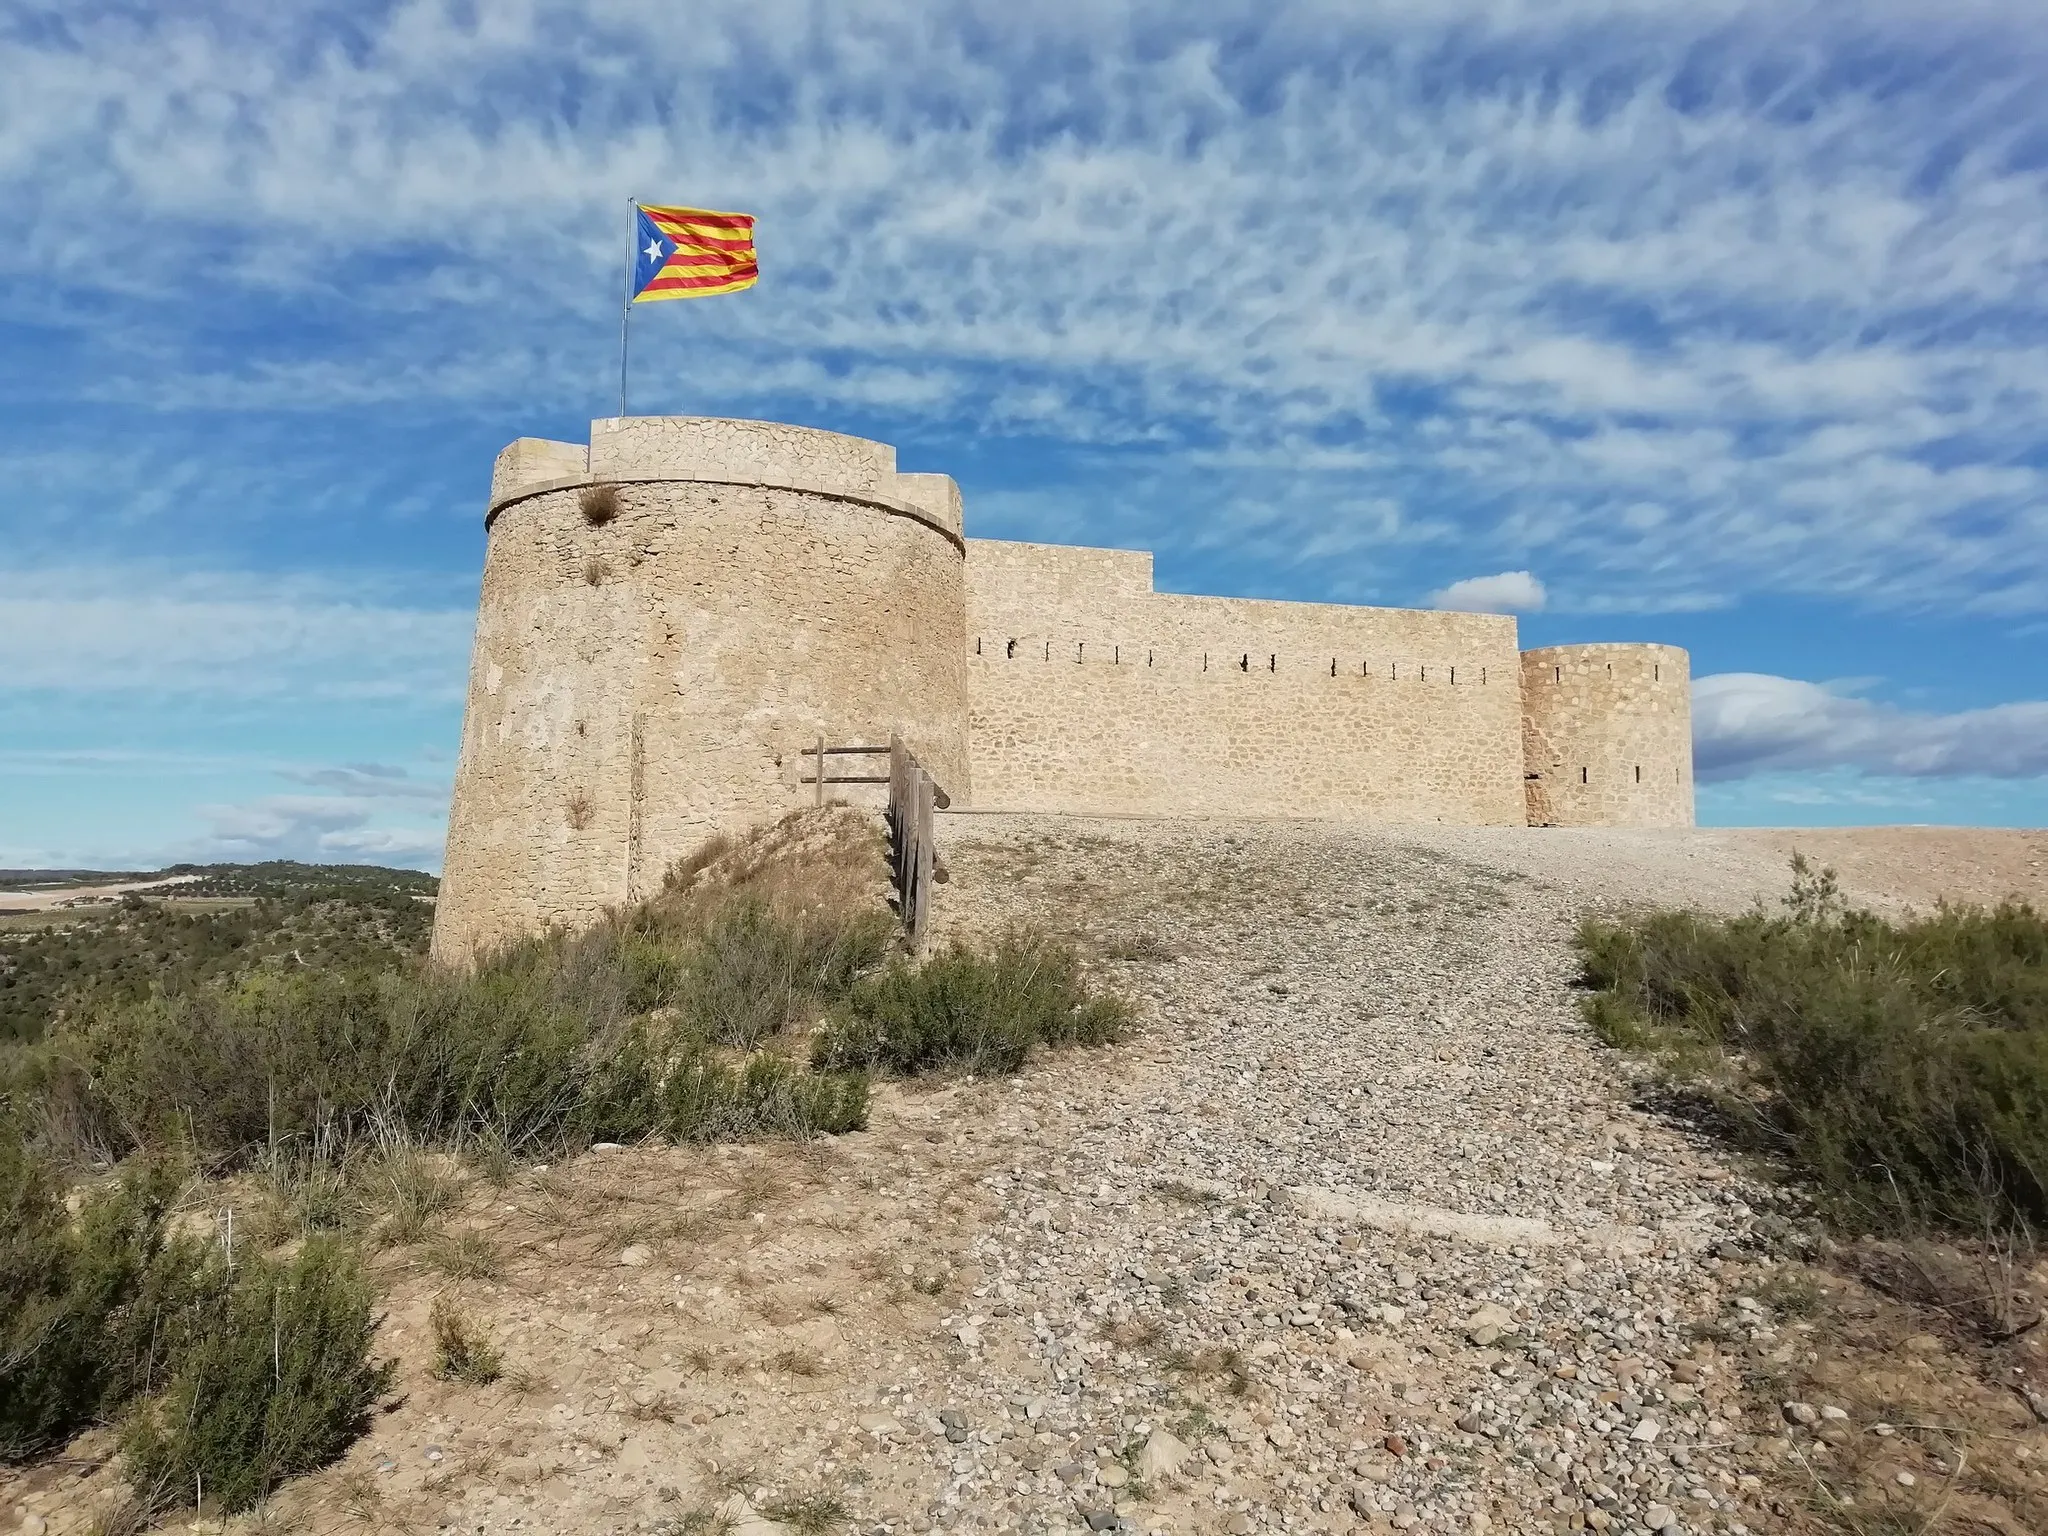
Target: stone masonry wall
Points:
(638, 685)
(1090, 692)
(1607, 738)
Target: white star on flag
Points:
(654, 250)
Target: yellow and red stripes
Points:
(714, 254)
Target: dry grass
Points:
(461, 1352)
(809, 1514)
(466, 1256)
(402, 1193)
(580, 810)
(821, 859)
(797, 1362)
(1216, 1363)
(599, 504)
(1133, 1332)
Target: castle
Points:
(674, 615)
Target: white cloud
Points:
(1749, 722)
(232, 634)
(341, 829)
(368, 781)
(1508, 592)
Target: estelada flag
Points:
(692, 253)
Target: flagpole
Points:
(632, 255)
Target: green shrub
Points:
(706, 1098)
(558, 1039)
(1903, 1065)
(749, 972)
(966, 1008)
(92, 1309)
(277, 1382)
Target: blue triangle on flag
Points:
(651, 251)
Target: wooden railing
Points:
(913, 795)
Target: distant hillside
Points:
(275, 877)
(45, 879)
(277, 916)
(284, 877)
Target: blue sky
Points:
(1712, 323)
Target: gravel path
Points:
(1373, 1234)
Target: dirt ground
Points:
(1360, 1110)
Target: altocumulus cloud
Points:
(1672, 299)
(1750, 722)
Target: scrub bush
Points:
(983, 1011)
(1903, 1066)
(278, 1381)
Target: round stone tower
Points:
(1607, 736)
(668, 619)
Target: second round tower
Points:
(1607, 736)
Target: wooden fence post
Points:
(899, 830)
(923, 873)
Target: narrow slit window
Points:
(1639, 773)
(977, 645)
(1011, 652)
(1273, 662)
(1582, 775)
(1557, 674)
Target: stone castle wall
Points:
(640, 684)
(1088, 691)
(642, 681)
(1607, 736)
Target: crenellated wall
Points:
(1088, 691)
(651, 674)
(1607, 736)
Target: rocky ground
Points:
(1362, 1231)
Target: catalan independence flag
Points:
(692, 253)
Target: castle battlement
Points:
(711, 450)
(652, 661)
